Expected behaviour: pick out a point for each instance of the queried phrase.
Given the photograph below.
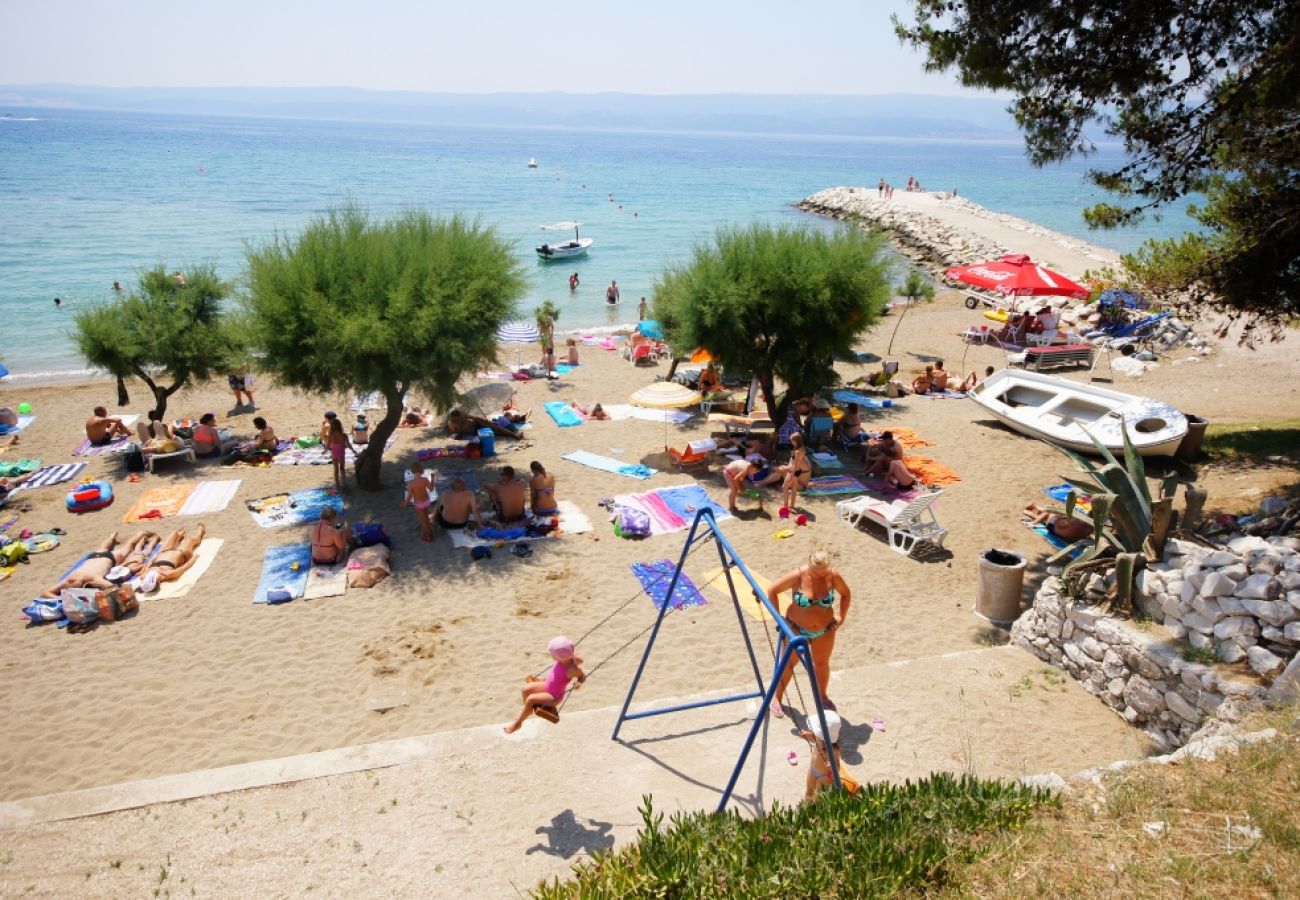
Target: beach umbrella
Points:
(1018, 275)
(518, 333)
(665, 395)
(651, 329)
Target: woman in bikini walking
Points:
(811, 613)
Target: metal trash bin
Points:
(1001, 584)
(1190, 449)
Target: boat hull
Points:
(1058, 411)
(566, 250)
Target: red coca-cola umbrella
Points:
(1018, 275)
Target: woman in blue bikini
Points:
(811, 613)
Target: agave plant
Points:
(1125, 519)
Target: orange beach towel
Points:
(909, 438)
(168, 500)
(930, 471)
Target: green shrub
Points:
(888, 838)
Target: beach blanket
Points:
(446, 451)
(317, 456)
(717, 581)
(52, 475)
(1059, 493)
(824, 460)
(86, 448)
(842, 396)
(326, 581)
(826, 485)
(572, 521)
(1059, 543)
(210, 497)
(671, 509)
(23, 422)
(442, 483)
(619, 411)
(687, 499)
(909, 439)
(930, 471)
(204, 554)
(563, 414)
(606, 464)
(883, 489)
(655, 578)
(278, 571)
(298, 508)
(160, 502)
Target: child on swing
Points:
(544, 696)
(819, 770)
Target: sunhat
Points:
(832, 724)
(561, 648)
(118, 574)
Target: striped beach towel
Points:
(826, 485)
(52, 475)
(86, 448)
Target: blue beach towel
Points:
(606, 464)
(23, 422)
(688, 499)
(278, 573)
(563, 414)
(861, 399)
(655, 577)
(298, 508)
(1059, 543)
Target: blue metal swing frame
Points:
(789, 644)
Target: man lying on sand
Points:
(1067, 528)
(93, 570)
(104, 429)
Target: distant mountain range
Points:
(887, 115)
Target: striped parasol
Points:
(665, 395)
(518, 333)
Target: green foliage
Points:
(1208, 105)
(353, 305)
(1254, 442)
(777, 302)
(165, 332)
(888, 838)
(916, 286)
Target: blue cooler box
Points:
(487, 441)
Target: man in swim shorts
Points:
(104, 429)
(93, 570)
(508, 497)
(454, 507)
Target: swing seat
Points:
(549, 713)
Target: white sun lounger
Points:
(906, 522)
(186, 452)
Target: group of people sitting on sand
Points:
(154, 560)
(513, 500)
(935, 379)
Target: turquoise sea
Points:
(89, 198)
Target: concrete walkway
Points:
(474, 809)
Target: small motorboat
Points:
(564, 249)
(532, 163)
(1058, 410)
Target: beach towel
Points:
(442, 483)
(278, 572)
(210, 497)
(930, 471)
(717, 580)
(862, 400)
(1059, 493)
(298, 508)
(909, 439)
(318, 455)
(688, 499)
(23, 422)
(52, 475)
(204, 554)
(563, 414)
(824, 460)
(21, 467)
(882, 488)
(572, 521)
(1059, 543)
(86, 448)
(826, 485)
(160, 502)
(655, 578)
(446, 451)
(605, 464)
(326, 581)
(619, 411)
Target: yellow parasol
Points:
(665, 395)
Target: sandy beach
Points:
(211, 679)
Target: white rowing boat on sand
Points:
(1057, 410)
(564, 249)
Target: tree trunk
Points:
(370, 460)
(768, 387)
(894, 333)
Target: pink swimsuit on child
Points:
(558, 680)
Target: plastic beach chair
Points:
(906, 523)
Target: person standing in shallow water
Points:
(611, 293)
(642, 309)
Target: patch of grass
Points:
(890, 838)
(1205, 655)
(1253, 441)
(1227, 828)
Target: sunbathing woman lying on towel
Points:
(93, 570)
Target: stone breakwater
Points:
(929, 239)
(1241, 601)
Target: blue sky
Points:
(662, 47)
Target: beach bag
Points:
(631, 523)
(115, 603)
(367, 534)
(309, 441)
(79, 605)
(13, 553)
(367, 566)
